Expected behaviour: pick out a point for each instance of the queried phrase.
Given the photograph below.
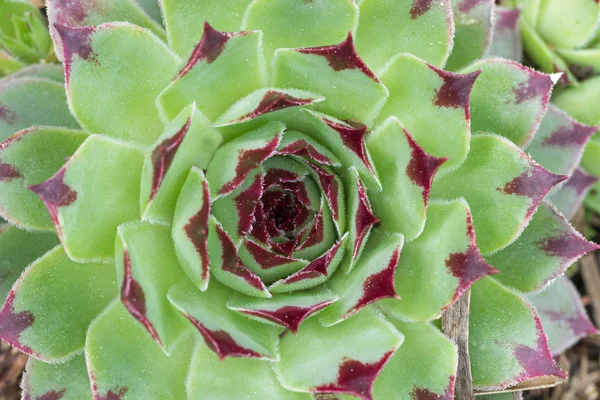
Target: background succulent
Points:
(285, 209)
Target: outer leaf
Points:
(316, 360)
(563, 315)
(47, 315)
(506, 39)
(445, 257)
(29, 157)
(32, 101)
(17, 250)
(352, 90)
(427, 99)
(515, 191)
(114, 73)
(406, 173)
(82, 196)
(417, 374)
(592, 200)
(215, 64)
(578, 101)
(146, 268)
(568, 197)
(183, 20)
(224, 331)
(582, 20)
(298, 23)
(53, 72)
(387, 27)
(474, 28)
(126, 364)
(507, 344)
(8, 64)
(549, 245)
(509, 99)
(68, 381)
(234, 378)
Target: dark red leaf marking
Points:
(134, 300)
(285, 247)
(568, 246)
(534, 183)
(288, 316)
(51, 395)
(506, 20)
(7, 115)
(163, 155)
(233, 265)
(330, 187)
(197, 231)
(76, 41)
(316, 234)
(356, 378)
(259, 226)
(379, 286)
(210, 47)
(580, 324)
(580, 181)
(222, 343)
(353, 136)
(247, 161)
(455, 91)
(536, 361)
(467, 5)
(575, 135)
(316, 268)
(55, 194)
(537, 85)
(72, 12)
(425, 394)
(8, 172)
(12, 323)
(342, 56)
(276, 176)
(468, 266)
(302, 148)
(265, 258)
(419, 7)
(246, 203)
(113, 394)
(281, 209)
(422, 167)
(364, 218)
(274, 101)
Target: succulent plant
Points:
(24, 36)
(280, 201)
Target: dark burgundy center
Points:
(282, 209)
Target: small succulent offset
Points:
(281, 201)
(24, 36)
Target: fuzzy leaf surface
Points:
(66, 381)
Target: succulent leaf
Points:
(66, 381)
(506, 38)
(568, 198)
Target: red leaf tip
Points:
(76, 41)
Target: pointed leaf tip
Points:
(422, 167)
(13, 323)
(455, 91)
(537, 85)
(575, 135)
(581, 181)
(426, 394)
(353, 135)
(75, 41)
(289, 316)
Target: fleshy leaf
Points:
(29, 157)
(32, 101)
(549, 245)
(8, 64)
(147, 267)
(507, 344)
(579, 101)
(515, 191)
(110, 93)
(187, 141)
(563, 315)
(48, 311)
(352, 90)
(214, 65)
(17, 250)
(300, 23)
(53, 72)
(509, 99)
(234, 378)
(388, 27)
(125, 363)
(190, 228)
(417, 374)
(473, 21)
(371, 280)
(591, 155)
(224, 331)
(427, 99)
(559, 143)
(506, 39)
(568, 197)
(406, 172)
(287, 310)
(571, 29)
(68, 381)
(82, 196)
(444, 256)
(183, 20)
(316, 360)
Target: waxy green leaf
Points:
(67, 381)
